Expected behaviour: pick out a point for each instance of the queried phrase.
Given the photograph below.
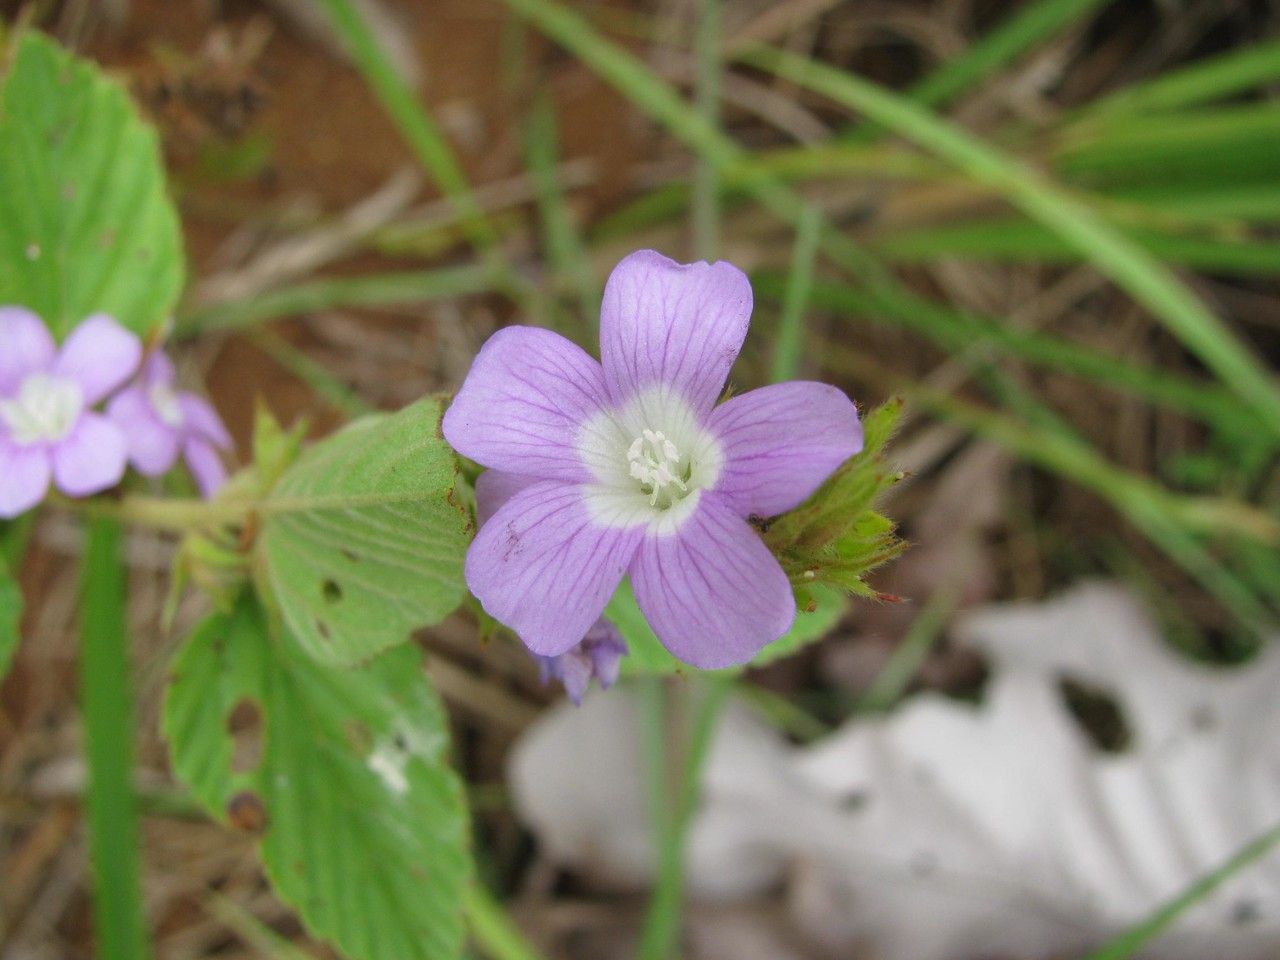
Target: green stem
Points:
(111, 809)
(493, 930)
(673, 810)
(162, 513)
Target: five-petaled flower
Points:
(627, 466)
(48, 430)
(161, 423)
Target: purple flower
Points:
(599, 654)
(47, 429)
(161, 423)
(629, 467)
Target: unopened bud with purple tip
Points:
(597, 656)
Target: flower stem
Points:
(493, 930)
(110, 805)
(164, 513)
(673, 808)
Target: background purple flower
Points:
(628, 467)
(47, 429)
(161, 423)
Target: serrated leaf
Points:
(274, 447)
(85, 223)
(363, 824)
(362, 540)
(647, 655)
(879, 425)
(10, 617)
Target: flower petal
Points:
(543, 568)
(26, 346)
(201, 419)
(780, 443)
(158, 368)
(152, 444)
(712, 592)
(573, 668)
(205, 465)
(24, 478)
(99, 355)
(675, 324)
(494, 488)
(91, 457)
(523, 404)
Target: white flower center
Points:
(44, 411)
(651, 459)
(655, 462)
(164, 401)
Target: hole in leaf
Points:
(1098, 714)
(244, 724)
(331, 592)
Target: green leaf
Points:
(274, 447)
(647, 655)
(363, 825)
(362, 538)
(10, 617)
(85, 223)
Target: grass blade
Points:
(955, 331)
(415, 124)
(1013, 241)
(1129, 943)
(789, 348)
(706, 91)
(379, 290)
(564, 246)
(1144, 278)
(1033, 24)
(1203, 82)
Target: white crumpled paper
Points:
(947, 831)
